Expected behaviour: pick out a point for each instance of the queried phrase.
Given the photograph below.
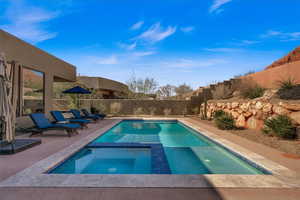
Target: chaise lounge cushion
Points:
(59, 117)
(43, 123)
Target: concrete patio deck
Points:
(10, 165)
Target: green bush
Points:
(280, 126)
(218, 113)
(223, 120)
(94, 110)
(287, 84)
(253, 92)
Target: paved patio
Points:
(9, 165)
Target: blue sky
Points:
(174, 41)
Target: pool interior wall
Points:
(183, 150)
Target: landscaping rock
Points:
(235, 114)
(295, 116)
(239, 111)
(259, 105)
(241, 121)
(267, 108)
(259, 115)
(252, 114)
(254, 123)
(234, 105)
(290, 106)
(280, 110)
(247, 114)
(245, 107)
(209, 114)
(228, 105)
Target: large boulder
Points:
(280, 110)
(245, 107)
(253, 123)
(234, 105)
(235, 114)
(259, 105)
(267, 108)
(241, 121)
(290, 106)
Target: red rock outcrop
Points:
(291, 57)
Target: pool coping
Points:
(35, 175)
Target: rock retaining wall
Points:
(251, 114)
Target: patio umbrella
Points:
(77, 90)
(6, 107)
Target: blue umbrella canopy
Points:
(77, 90)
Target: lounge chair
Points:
(43, 124)
(78, 115)
(87, 114)
(59, 117)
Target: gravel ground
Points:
(287, 146)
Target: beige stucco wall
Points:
(35, 58)
(26, 55)
(269, 78)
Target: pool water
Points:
(186, 152)
(108, 161)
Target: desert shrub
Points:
(218, 113)
(224, 121)
(280, 126)
(253, 92)
(249, 89)
(94, 110)
(287, 84)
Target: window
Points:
(33, 91)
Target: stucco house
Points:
(36, 71)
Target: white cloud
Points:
(243, 42)
(143, 53)
(187, 29)
(26, 22)
(222, 50)
(156, 33)
(248, 42)
(137, 25)
(192, 63)
(111, 60)
(283, 36)
(127, 46)
(215, 7)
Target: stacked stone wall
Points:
(251, 114)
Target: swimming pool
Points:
(154, 147)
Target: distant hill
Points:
(291, 57)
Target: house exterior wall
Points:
(34, 58)
(26, 55)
